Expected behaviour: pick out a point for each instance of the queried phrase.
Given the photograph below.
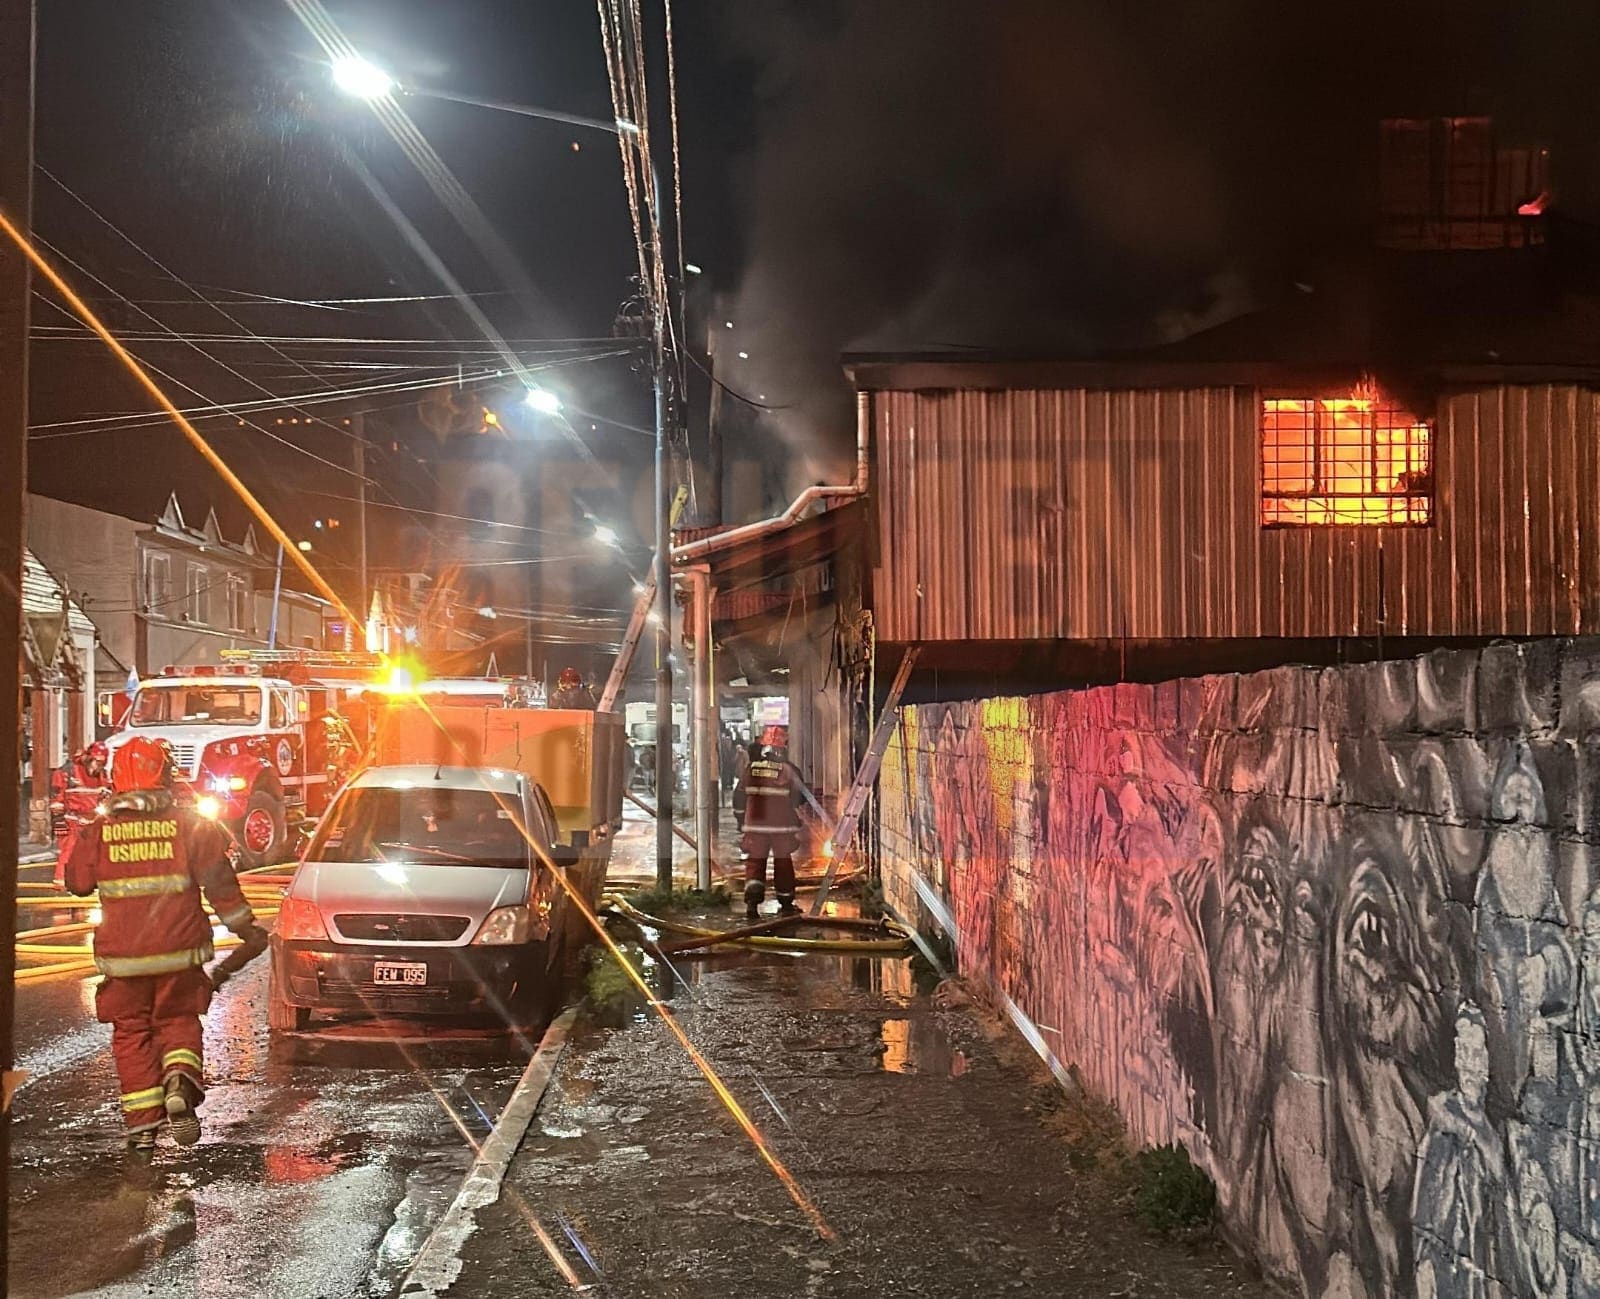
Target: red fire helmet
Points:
(141, 763)
(570, 679)
(776, 737)
(98, 752)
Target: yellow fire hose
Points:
(899, 944)
(264, 893)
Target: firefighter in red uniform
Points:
(79, 789)
(771, 823)
(150, 859)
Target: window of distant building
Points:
(1356, 460)
(157, 584)
(238, 604)
(195, 606)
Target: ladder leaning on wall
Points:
(866, 777)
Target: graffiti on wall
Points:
(1331, 930)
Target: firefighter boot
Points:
(182, 1097)
(786, 906)
(142, 1144)
(754, 893)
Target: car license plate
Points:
(412, 974)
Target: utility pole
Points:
(16, 201)
(358, 426)
(711, 492)
(664, 771)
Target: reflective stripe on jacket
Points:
(769, 797)
(150, 860)
(130, 967)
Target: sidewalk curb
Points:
(438, 1262)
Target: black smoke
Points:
(1065, 177)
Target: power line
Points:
(177, 382)
(735, 394)
(176, 279)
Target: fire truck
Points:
(261, 740)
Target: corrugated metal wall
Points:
(1087, 514)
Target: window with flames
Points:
(1358, 460)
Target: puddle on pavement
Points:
(916, 1044)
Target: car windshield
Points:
(214, 705)
(423, 825)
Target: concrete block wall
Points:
(1337, 931)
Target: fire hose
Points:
(263, 892)
(894, 940)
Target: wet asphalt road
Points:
(326, 1159)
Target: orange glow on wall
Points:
(1349, 460)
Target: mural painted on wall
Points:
(1336, 931)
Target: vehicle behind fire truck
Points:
(262, 747)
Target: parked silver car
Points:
(419, 894)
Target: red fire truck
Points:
(261, 739)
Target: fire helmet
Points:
(775, 737)
(570, 679)
(141, 763)
(98, 752)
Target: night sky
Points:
(1038, 175)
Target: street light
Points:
(604, 535)
(543, 400)
(359, 77)
(365, 80)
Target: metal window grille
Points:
(1344, 461)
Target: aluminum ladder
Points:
(866, 777)
(630, 643)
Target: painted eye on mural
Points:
(1371, 926)
(1369, 932)
(1255, 881)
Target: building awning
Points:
(752, 560)
(48, 660)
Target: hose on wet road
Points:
(879, 938)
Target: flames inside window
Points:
(1358, 459)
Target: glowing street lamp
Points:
(365, 80)
(543, 400)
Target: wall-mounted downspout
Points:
(702, 695)
(691, 551)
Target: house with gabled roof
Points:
(173, 591)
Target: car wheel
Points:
(281, 1016)
(261, 831)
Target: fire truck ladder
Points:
(866, 777)
(308, 658)
(630, 643)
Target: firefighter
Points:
(78, 790)
(150, 859)
(771, 822)
(570, 692)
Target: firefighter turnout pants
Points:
(756, 847)
(155, 1033)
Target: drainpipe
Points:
(702, 684)
(695, 550)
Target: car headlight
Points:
(502, 926)
(226, 784)
(209, 806)
(299, 918)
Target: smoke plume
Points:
(1058, 176)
